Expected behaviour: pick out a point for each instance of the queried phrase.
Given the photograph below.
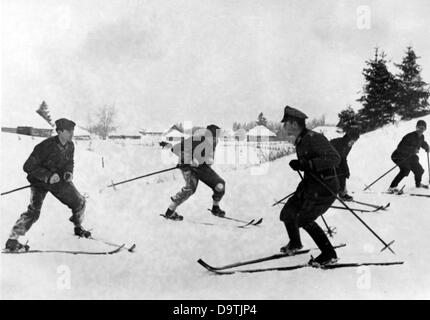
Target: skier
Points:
(49, 168)
(316, 156)
(343, 146)
(196, 155)
(405, 156)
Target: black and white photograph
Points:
(215, 150)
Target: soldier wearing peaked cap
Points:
(315, 157)
(49, 168)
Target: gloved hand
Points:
(299, 165)
(165, 144)
(295, 165)
(54, 178)
(68, 176)
(183, 166)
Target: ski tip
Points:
(117, 249)
(131, 249)
(204, 264)
(258, 222)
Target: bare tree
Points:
(105, 118)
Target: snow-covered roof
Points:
(173, 133)
(27, 120)
(260, 131)
(80, 132)
(125, 132)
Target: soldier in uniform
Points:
(317, 158)
(196, 155)
(405, 156)
(343, 146)
(50, 169)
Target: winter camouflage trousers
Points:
(192, 176)
(66, 192)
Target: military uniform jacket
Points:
(49, 157)
(321, 158)
(201, 147)
(410, 145)
(342, 147)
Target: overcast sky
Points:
(163, 62)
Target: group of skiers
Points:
(323, 163)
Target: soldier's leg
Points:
(209, 177)
(418, 170)
(26, 220)
(404, 172)
(342, 184)
(67, 193)
(309, 212)
(191, 183)
(289, 215)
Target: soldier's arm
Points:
(425, 146)
(326, 156)
(33, 165)
(71, 163)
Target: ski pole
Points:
(140, 177)
(428, 165)
(17, 189)
(280, 201)
(367, 187)
(361, 220)
(330, 231)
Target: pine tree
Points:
(347, 118)
(413, 93)
(261, 120)
(379, 93)
(44, 113)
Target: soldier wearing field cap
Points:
(315, 157)
(49, 168)
(406, 157)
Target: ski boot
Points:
(290, 250)
(323, 259)
(12, 245)
(216, 211)
(173, 215)
(345, 197)
(80, 232)
(420, 185)
(394, 190)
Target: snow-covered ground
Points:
(164, 263)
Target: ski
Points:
(304, 265)
(206, 223)
(372, 205)
(247, 223)
(408, 194)
(357, 210)
(243, 263)
(129, 249)
(68, 251)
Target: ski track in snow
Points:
(164, 263)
